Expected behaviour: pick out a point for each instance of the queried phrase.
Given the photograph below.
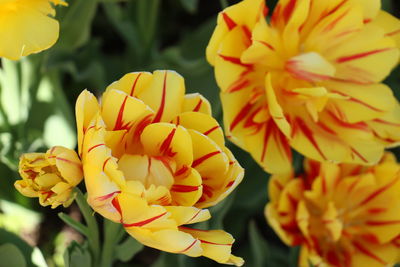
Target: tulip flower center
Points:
(150, 170)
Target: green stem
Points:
(111, 238)
(93, 229)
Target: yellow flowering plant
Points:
(154, 159)
(50, 176)
(341, 215)
(161, 186)
(308, 79)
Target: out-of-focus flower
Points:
(153, 158)
(308, 79)
(50, 176)
(27, 27)
(342, 215)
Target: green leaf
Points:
(24, 249)
(190, 5)
(259, 246)
(127, 249)
(74, 224)
(76, 24)
(77, 255)
(10, 255)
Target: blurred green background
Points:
(100, 41)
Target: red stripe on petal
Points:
(393, 33)
(278, 184)
(93, 147)
(379, 191)
(268, 132)
(238, 85)
(189, 247)
(116, 205)
(213, 243)
(376, 210)
(165, 146)
(181, 170)
(211, 130)
(358, 154)
(382, 223)
(184, 188)
(105, 163)
(228, 21)
(144, 222)
(267, 45)
(361, 55)
(332, 25)
(204, 158)
(240, 116)
(236, 61)
(197, 107)
(134, 85)
(387, 122)
(194, 216)
(287, 12)
(246, 31)
(108, 196)
(368, 253)
(230, 184)
(119, 123)
(310, 136)
(160, 111)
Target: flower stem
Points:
(93, 229)
(111, 238)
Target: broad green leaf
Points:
(259, 247)
(76, 24)
(127, 249)
(77, 255)
(24, 249)
(10, 255)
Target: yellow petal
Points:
(27, 28)
(188, 215)
(216, 244)
(85, 109)
(132, 83)
(164, 95)
(168, 140)
(201, 123)
(196, 103)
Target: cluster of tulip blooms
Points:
(306, 78)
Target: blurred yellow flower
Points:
(27, 26)
(342, 215)
(50, 176)
(308, 79)
(153, 158)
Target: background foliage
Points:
(100, 41)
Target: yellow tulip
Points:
(343, 215)
(27, 27)
(153, 159)
(308, 79)
(50, 176)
